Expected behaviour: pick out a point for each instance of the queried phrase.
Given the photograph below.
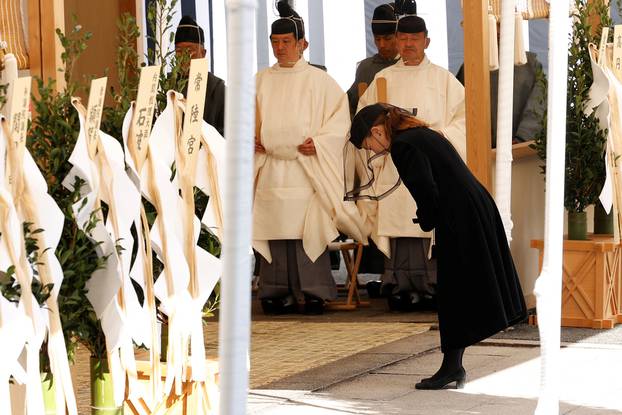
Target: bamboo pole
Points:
(549, 284)
(236, 290)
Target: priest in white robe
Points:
(435, 96)
(303, 121)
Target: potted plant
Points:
(51, 139)
(590, 267)
(11, 290)
(172, 76)
(585, 139)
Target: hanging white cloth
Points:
(106, 181)
(29, 335)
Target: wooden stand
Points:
(352, 253)
(195, 399)
(592, 282)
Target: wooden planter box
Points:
(195, 399)
(592, 282)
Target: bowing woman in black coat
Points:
(479, 293)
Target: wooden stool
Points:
(352, 253)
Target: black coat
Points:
(214, 113)
(479, 293)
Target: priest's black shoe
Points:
(440, 382)
(396, 302)
(373, 289)
(277, 306)
(314, 306)
(403, 301)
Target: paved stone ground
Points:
(568, 334)
(283, 346)
(503, 379)
(367, 361)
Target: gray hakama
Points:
(409, 268)
(292, 273)
(365, 72)
(528, 104)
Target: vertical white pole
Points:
(549, 284)
(315, 30)
(236, 285)
(262, 35)
(505, 99)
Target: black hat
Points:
(384, 21)
(189, 31)
(363, 121)
(290, 21)
(403, 7)
(411, 24)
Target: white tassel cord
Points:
(505, 100)
(520, 56)
(493, 47)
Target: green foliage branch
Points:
(161, 32)
(129, 75)
(3, 90)
(51, 139)
(10, 288)
(585, 139)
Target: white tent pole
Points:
(549, 284)
(236, 283)
(503, 170)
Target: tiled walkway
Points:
(284, 345)
(283, 348)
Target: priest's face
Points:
(191, 51)
(287, 50)
(195, 50)
(412, 47)
(387, 45)
(377, 140)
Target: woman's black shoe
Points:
(440, 382)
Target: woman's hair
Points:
(394, 119)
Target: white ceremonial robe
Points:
(297, 196)
(438, 99)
